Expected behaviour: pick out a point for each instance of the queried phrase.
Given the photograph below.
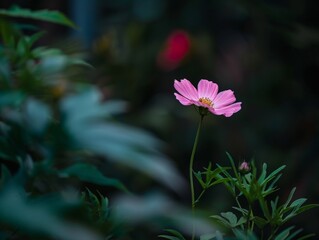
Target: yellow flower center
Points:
(206, 101)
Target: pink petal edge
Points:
(227, 111)
(183, 100)
(207, 89)
(224, 98)
(186, 89)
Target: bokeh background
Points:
(266, 51)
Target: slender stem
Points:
(249, 224)
(273, 232)
(191, 162)
(238, 203)
(199, 197)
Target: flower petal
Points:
(186, 89)
(227, 111)
(207, 89)
(183, 100)
(224, 98)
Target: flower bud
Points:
(244, 167)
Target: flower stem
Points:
(191, 162)
(199, 197)
(249, 223)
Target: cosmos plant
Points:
(207, 99)
(249, 186)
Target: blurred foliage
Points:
(44, 15)
(60, 136)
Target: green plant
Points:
(59, 138)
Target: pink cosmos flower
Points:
(206, 96)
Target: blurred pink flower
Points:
(176, 48)
(207, 96)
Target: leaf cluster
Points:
(258, 212)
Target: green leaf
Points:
(294, 234)
(298, 202)
(274, 205)
(221, 220)
(211, 176)
(233, 165)
(260, 222)
(57, 62)
(231, 183)
(271, 187)
(89, 173)
(241, 221)
(306, 208)
(37, 115)
(240, 235)
(43, 15)
(33, 38)
(211, 236)
(93, 198)
(310, 235)
(175, 234)
(87, 106)
(273, 174)
(264, 207)
(198, 176)
(37, 217)
(263, 174)
(88, 122)
(99, 206)
(168, 237)
(231, 217)
(22, 48)
(217, 182)
(284, 234)
(241, 210)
